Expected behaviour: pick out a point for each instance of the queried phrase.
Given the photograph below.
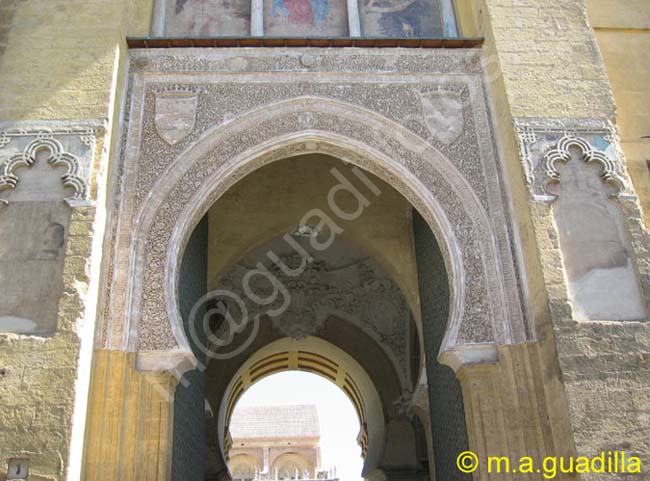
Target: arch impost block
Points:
(178, 362)
(469, 355)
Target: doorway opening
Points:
(295, 425)
(311, 264)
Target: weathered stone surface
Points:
(598, 264)
(608, 358)
(47, 226)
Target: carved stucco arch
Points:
(479, 315)
(562, 153)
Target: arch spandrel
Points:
(486, 307)
(426, 178)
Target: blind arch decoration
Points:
(304, 18)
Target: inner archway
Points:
(300, 420)
(317, 357)
(310, 264)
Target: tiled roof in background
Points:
(289, 421)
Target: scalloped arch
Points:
(57, 157)
(562, 153)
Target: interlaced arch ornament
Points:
(56, 157)
(562, 153)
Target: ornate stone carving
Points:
(361, 292)
(67, 147)
(574, 164)
(175, 114)
(543, 143)
(43, 171)
(561, 153)
(273, 109)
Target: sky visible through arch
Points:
(338, 420)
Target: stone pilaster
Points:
(129, 430)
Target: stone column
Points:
(158, 18)
(257, 18)
(354, 21)
(266, 460)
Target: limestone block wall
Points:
(41, 374)
(623, 36)
(59, 61)
(546, 67)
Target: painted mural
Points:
(313, 18)
(400, 18)
(208, 18)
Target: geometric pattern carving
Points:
(561, 153)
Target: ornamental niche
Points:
(43, 175)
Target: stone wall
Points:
(543, 61)
(43, 366)
(58, 60)
(623, 36)
(548, 68)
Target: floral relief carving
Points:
(360, 292)
(235, 116)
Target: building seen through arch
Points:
(276, 443)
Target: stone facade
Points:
(275, 443)
(476, 140)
